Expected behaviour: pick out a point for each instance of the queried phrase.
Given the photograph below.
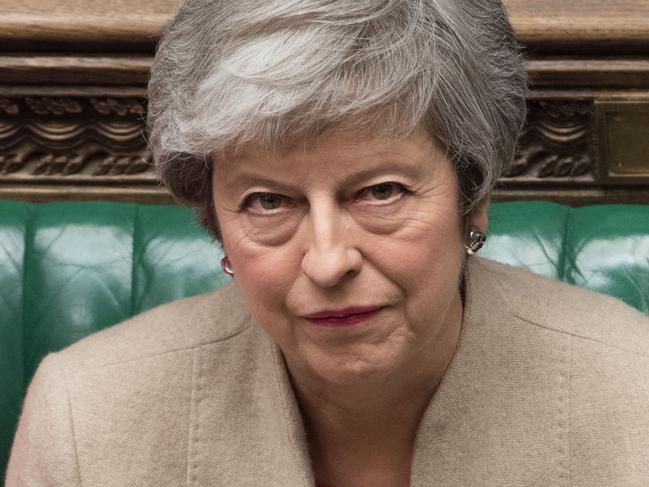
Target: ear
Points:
(479, 218)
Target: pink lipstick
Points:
(344, 317)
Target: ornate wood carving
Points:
(554, 143)
(68, 140)
(101, 140)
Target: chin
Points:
(354, 368)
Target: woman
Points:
(343, 153)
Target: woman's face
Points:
(349, 255)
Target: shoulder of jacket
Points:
(559, 306)
(175, 326)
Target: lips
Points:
(344, 317)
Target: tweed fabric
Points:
(549, 386)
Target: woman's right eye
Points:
(264, 203)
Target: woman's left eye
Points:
(381, 193)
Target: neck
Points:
(375, 422)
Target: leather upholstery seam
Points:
(575, 335)
(27, 252)
(133, 265)
(564, 246)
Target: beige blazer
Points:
(549, 387)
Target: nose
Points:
(329, 257)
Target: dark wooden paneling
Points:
(115, 70)
(580, 73)
(133, 69)
(73, 77)
(572, 26)
(82, 25)
(543, 25)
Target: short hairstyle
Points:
(233, 72)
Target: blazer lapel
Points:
(501, 413)
(246, 427)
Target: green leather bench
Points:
(68, 270)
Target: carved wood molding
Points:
(574, 72)
(111, 25)
(73, 140)
(100, 140)
(76, 70)
(554, 145)
(133, 70)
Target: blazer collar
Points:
(501, 413)
(498, 417)
(245, 426)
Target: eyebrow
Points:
(247, 179)
(409, 170)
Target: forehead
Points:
(333, 153)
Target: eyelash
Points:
(399, 187)
(248, 200)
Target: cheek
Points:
(264, 276)
(425, 260)
(263, 273)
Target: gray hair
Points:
(273, 72)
